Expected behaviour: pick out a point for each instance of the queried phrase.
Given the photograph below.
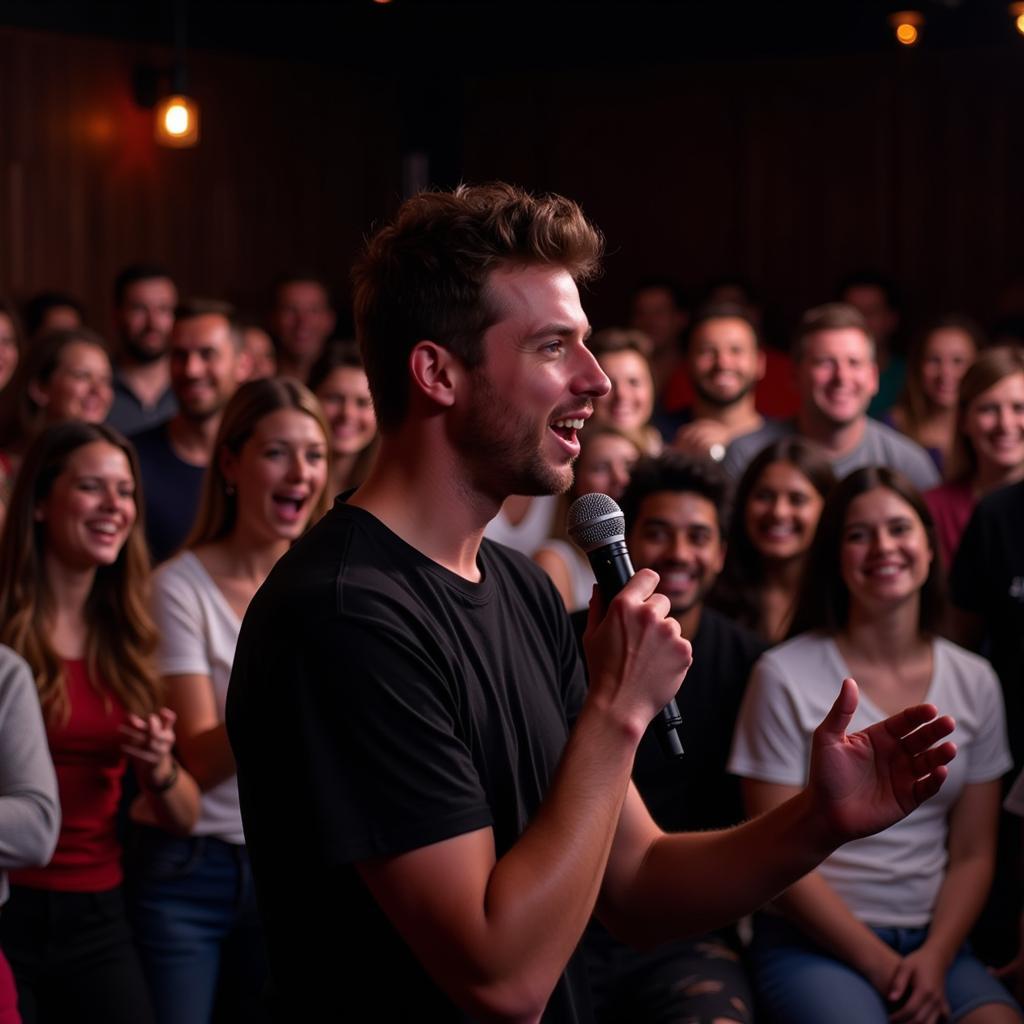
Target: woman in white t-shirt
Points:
(877, 932)
(193, 897)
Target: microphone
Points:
(598, 527)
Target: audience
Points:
(725, 363)
(837, 376)
(52, 311)
(339, 382)
(301, 321)
(778, 502)
(144, 301)
(259, 347)
(629, 404)
(658, 310)
(676, 512)
(73, 603)
(926, 412)
(988, 452)
(877, 932)
(10, 342)
(207, 363)
(607, 455)
(198, 929)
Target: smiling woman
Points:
(879, 928)
(73, 589)
(265, 486)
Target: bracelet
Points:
(169, 782)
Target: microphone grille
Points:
(595, 519)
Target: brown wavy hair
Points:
(218, 504)
(120, 635)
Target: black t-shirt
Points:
(694, 792)
(378, 704)
(987, 578)
(171, 488)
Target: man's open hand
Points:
(866, 781)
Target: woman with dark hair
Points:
(193, 900)
(877, 932)
(988, 452)
(778, 501)
(339, 382)
(927, 409)
(74, 578)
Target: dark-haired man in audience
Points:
(837, 377)
(419, 761)
(658, 308)
(144, 301)
(676, 512)
(207, 363)
(725, 363)
(301, 322)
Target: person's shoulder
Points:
(791, 655)
(722, 633)
(770, 430)
(963, 661)
(1002, 503)
(882, 435)
(14, 669)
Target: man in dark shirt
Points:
(676, 511)
(207, 365)
(429, 795)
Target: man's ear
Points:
(435, 372)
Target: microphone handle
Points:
(614, 569)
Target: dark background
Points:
(786, 142)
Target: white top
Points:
(891, 879)
(531, 531)
(198, 634)
(581, 575)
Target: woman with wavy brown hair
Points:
(192, 897)
(73, 603)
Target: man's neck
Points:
(838, 440)
(192, 440)
(288, 366)
(738, 418)
(689, 621)
(147, 381)
(415, 489)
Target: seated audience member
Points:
(926, 412)
(339, 382)
(607, 456)
(676, 511)
(776, 396)
(837, 375)
(301, 321)
(877, 932)
(29, 805)
(989, 448)
(778, 502)
(207, 365)
(197, 928)
(144, 301)
(629, 404)
(658, 310)
(875, 297)
(73, 602)
(725, 362)
(52, 311)
(259, 347)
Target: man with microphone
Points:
(433, 802)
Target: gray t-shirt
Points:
(880, 446)
(29, 805)
(891, 879)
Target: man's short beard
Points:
(717, 400)
(142, 356)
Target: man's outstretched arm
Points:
(659, 886)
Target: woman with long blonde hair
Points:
(74, 578)
(193, 896)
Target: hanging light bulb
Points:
(177, 121)
(906, 25)
(1017, 13)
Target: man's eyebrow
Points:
(564, 330)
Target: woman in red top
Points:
(73, 603)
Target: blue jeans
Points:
(798, 982)
(196, 926)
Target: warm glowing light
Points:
(906, 34)
(177, 122)
(1017, 13)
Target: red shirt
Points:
(86, 751)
